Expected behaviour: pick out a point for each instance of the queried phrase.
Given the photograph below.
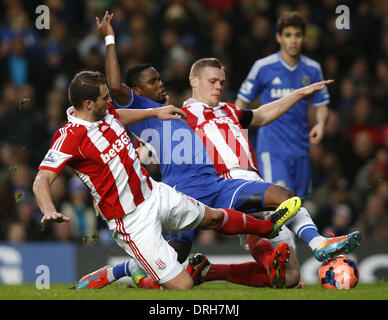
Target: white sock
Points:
(316, 242)
(110, 275)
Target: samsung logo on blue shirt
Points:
(277, 93)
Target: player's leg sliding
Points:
(254, 274)
(235, 222)
(260, 248)
(324, 248)
(108, 274)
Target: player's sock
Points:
(304, 227)
(148, 283)
(235, 222)
(140, 277)
(120, 270)
(248, 273)
(260, 249)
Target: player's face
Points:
(151, 86)
(291, 41)
(100, 105)
(207, 87)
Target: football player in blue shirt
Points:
(283, 145)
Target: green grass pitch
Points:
(206, 291)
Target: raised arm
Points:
(42, 192)
(273, 110)
(118, 90)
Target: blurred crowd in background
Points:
(349, 168)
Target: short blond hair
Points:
(198, 65)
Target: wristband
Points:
(109, 39)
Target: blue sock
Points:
(308, 232)
(121, 270)
(304, 227)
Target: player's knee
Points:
(187, 284)
(286, 193)
(211, 219)
(182, 285)
(182, 281)
(275, 195)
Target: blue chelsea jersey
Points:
(272, 78)
(182, 155)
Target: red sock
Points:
(148, 283)
(260, 249)
(248, 273)
(235, 222)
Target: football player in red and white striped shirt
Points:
(221, 124)
(221, 127)
(135, 207)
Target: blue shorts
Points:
(287, 171)
(222, 193)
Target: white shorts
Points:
(285, 235)
(139, 233)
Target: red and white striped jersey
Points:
(220, 130)
(103, 157)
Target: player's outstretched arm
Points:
(273, 110)
(241, 104)
(130, 116)
(118, 90)
(41, 189)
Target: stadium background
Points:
(350, 167)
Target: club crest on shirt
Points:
(306, 80)
(161, 264)
(103, 127)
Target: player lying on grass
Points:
(95, 145)
(124, 95)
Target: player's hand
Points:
(315, 87)
(170, 112)
(104, 27)
(316, 133)
(54, 216)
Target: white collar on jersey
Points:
(285, 64)
(73, 119)
(192, 101)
